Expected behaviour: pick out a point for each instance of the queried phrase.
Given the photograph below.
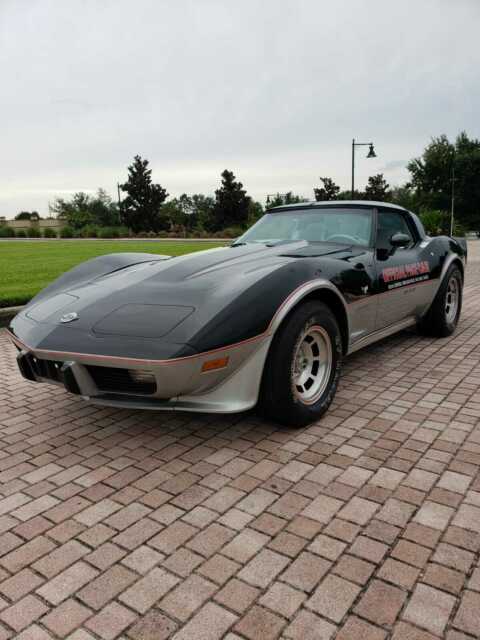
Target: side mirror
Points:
(400, 240)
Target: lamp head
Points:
(371, 152)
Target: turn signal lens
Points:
(212, 365)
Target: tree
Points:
(104, 212)
(173, 213)
(347, 195)
(203, 211)
(435, 222)
(275, 201)
(141, 210)
(28, 215)
(255, 212)
(231, 203)
(377, 188)
(84, 209)
(189, 216)
(404, 196)
(432, 173)
(467, 182)
(190, 213)
(75, 212)
(280, 199)
(180, 213)
(329, 191)
(24, 215)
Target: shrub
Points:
(108, 232)
(66, 232)
(6, 232)
(34, 232)
(200, 233)
(48, 232)
(90, 231)
(104, 232)
(436, 223)
(116, 232)
(230, 232)
(21, 233)
(459, 230)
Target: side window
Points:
(389, 223)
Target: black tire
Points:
(279, 397)
(439, 321)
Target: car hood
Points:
(162, 300)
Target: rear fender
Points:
(451, 259)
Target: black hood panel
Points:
(169, 308)
(142, 320)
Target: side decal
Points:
(406, 274)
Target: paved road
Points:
(150, 526)
(474, 250)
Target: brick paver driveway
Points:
(150, 525)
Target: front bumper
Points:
(177, 384)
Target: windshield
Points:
(346, 226)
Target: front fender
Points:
(306, 290)
(95, 268)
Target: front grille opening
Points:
(50, 369)
(128, 381)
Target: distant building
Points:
(53, 223)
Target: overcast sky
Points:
(273, 89)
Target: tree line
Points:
(443, 169)
(144, 208)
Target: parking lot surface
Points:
(147, 526)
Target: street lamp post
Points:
(371, 154)
(119, 198)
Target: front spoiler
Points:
(181, 386)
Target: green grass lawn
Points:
(27, 267)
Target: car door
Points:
(399, 269)
(357, 282)
(357, 276)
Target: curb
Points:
(7, 313)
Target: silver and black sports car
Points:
(265, 321)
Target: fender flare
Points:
(449, 260)
(309, 290)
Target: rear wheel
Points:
(442, 318)
(303, 366)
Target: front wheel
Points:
(303, 366)
(442, 318)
